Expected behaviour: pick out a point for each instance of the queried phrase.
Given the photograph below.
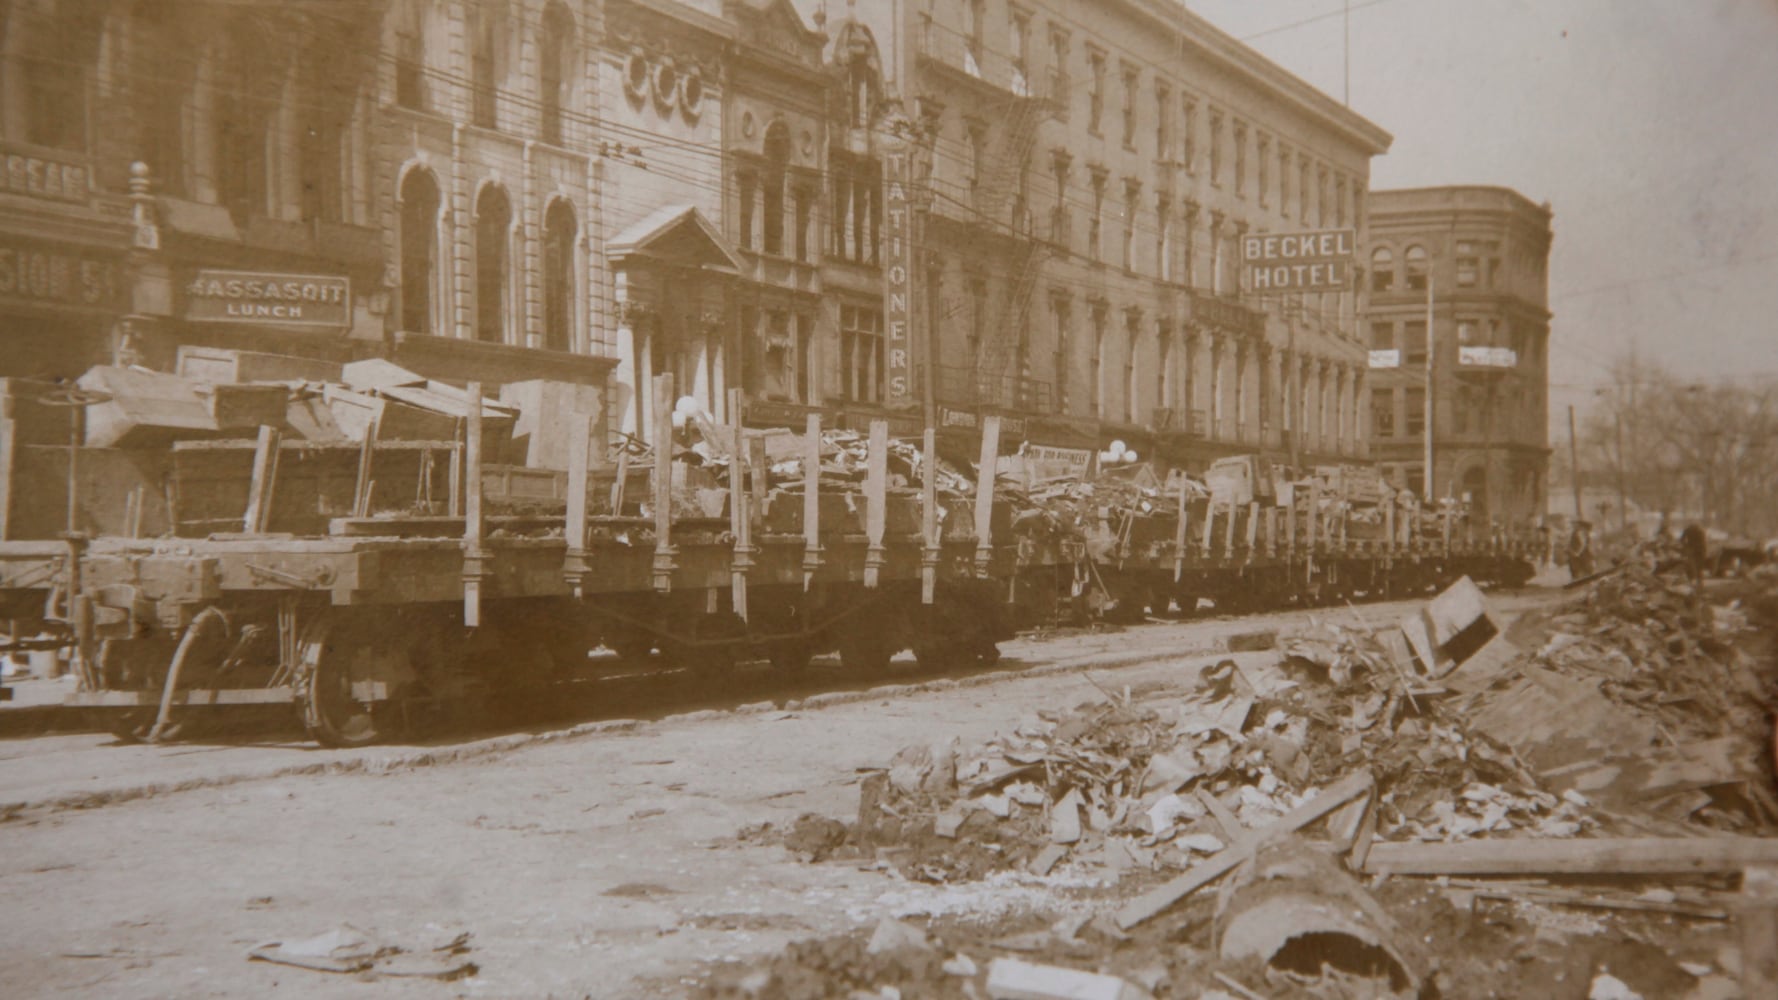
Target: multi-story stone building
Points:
(1474, 263)
(1087, 180)
(185, 174)
(988, 206)
(414, 179)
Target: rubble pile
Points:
(1568, 781)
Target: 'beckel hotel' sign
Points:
(257, 297)
(1319, 261)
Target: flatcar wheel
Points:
(791, 656)
(129, 725)
(327, 669)
(865, 647)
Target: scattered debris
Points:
(1600, 769)
(1011, 979)
(346, 949)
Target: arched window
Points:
(245, 93)
(557, 43)
(558, 277)
(777, 153)
(160, 76)
(1382, 269)
(419, 251)
(1415, 260)
(493, 223)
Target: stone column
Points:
(1241, 396)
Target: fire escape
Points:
(1004, 92)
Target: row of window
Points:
(489, 33)
(498, 316)
(1504, 415)
(1410, 338)
(1476, 264)
(1244, 156)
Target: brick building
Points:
(1476, 260)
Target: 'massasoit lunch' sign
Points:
(270, 299)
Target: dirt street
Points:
(602, 862)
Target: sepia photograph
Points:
(889, 499)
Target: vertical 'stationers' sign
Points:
(897, 254)
(1319, 261)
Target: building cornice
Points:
(1222, 48)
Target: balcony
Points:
(972, 387)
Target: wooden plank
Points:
(264, 476)
(1759, 931)
(617, 485)
(1164, 896)
(367, 451)
(988, 463)
(1602, 856)
(1209, 524)
(1252, 527)
(1232, 830)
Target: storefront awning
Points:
(675, 234)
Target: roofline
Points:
(1247, 62)
(1518, 197)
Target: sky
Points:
(1649, 126)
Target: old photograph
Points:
(889, 499)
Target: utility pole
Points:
(1346, 48)
(1574, 464)
(1431, 402)
(1623, 494)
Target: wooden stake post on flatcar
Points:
(474, 555)
(876, 495)
(739, 504)
(812, 501)
(574, 564)
(664, 552)
(984, 495)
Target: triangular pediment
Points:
(673, 234)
